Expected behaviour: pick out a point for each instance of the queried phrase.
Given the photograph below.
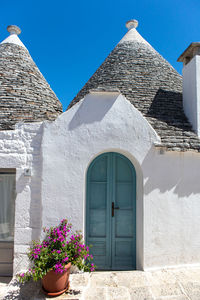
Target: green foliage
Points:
(58, 248)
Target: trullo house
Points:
(122, 163)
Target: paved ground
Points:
(179, 284)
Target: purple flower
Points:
(66, 258)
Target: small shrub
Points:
(59, 247)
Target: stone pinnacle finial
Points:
(132, 24)
(13, 29)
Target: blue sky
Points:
(68, 40)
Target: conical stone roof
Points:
(25, 95)
(151, 84)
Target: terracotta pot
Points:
(55, 284)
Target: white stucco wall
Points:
(191, 92)
(59, 154)
(168, 190)
(171, 209)
(101, 122)
(20, 149)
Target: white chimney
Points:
(191, 84)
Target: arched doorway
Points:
(111, 212)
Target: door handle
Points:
(113, 209)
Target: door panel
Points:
(7, 207)
(123, 170)
(99, 193)
(98, 233)
(97, 222)
(6, 258)
(124, 223)
(99, 170)
(111, 211)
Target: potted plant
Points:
(52, 258)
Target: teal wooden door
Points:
(111, 212)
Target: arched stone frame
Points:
(139, 203)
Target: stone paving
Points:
(176, 284)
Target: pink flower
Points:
(65, 259)
(58, 251)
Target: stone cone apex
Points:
(13, 37)
(25, 95)
(131, 24)
(13, 29)
(132, 35)
(150, 83)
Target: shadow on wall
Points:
(175, 172)
(93, 109)
(167, 106)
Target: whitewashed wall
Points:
(20, 149)
(59, 153)
(101, 122)
(171, 209)
(168, 190)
